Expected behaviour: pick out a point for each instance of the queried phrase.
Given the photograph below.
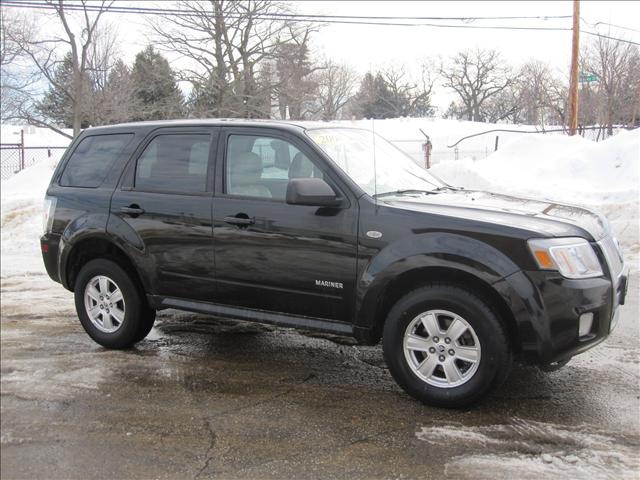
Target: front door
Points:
(165, 203)
(269, 255)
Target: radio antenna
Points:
(375, 171)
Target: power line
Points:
(364, 18)
(595, 25)
(617, 39)
(322, 19)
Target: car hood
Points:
(540, 216)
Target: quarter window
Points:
(92, 159)
(174, 163)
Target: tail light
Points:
(47, 214)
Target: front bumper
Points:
(548, 314)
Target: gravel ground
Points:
(212, 398)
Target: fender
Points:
(527, 306)
(85, 226)
(126, 238)
(95, 227)
(434, 249)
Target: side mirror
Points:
(314, 192)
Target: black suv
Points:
(331, 229)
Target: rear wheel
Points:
(445, 346)
(110, 306)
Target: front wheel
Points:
(445, 346)
(110, 306)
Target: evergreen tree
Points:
(118, 103)
(205, 100)
(373, 98)
(155, 88)
(296, 85)
(57, 104)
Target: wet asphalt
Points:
(211, 398)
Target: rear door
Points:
(294, 259)
(163, 206)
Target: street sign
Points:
(588, 78)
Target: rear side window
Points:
(91, 160)
(174, 163)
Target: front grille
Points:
(613, 256)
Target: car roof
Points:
(218, 122)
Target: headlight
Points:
(48, 210)
(572, 257)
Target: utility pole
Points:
(573, 83)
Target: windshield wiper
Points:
(435, 191)
(405, 192)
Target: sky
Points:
(368, 47)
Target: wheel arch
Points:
(90, 248)
(409, 280)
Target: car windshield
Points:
(353, 151)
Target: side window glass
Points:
(92, 159)
(262, 166)
(275, 155)
(174, 163)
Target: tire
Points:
(407, 345)
(147, 320)
(126, 319)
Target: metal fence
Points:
(15, 157)
(415, 149)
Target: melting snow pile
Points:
(604, 176)
(21, 219)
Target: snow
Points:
(21, 205)
(407, 134)
(529, 449)
(34, 136)
(565, 168)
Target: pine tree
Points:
(57, 104)
(118, 104)
(296, 85)
(155, 88)
(373, 98)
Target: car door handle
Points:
(133, 210)
(240, 221)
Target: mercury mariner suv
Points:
(330, 229)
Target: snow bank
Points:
(560, 167)
(34, 136)
(406, 134)
(604, 176)
(21, 204)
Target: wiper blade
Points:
(406, 192)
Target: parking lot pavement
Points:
(204, 398)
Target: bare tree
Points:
(75, 45)
(336, 86)
(476, 76)
(227, 41)
(616, 65)
(506, 105)
(17, 78)
(536, 83)
(408, 97)
(529, 98)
